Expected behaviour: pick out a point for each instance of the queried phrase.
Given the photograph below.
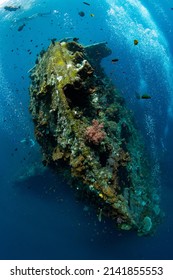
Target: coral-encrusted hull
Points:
(83, 127)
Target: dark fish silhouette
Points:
(21, 27)
(143, 96)
(86, 3)
(75, 39)
(115, 60)
(135, 42)
(11, 8)
(81, 14)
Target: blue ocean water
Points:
(40, 215)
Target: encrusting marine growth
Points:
(84, 128)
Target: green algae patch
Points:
(86, 132)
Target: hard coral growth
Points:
(86, 132)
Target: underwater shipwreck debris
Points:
(86, 131)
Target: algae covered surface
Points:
(86, 131)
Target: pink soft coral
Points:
(94, 133)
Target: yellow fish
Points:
(91, 15)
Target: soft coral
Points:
(94, 133)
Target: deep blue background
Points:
(41, 217)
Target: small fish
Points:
(82, 14)
(75, 39)
(23, 140)
(21, 27)
(135, 42)
(91, 15)
(86, 3)
(32, 143)
(11, 8)
(115, 60)
(28, 141)
(143, 96)
(100, 215)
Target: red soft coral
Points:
(94, 133)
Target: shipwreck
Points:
(85, 130)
